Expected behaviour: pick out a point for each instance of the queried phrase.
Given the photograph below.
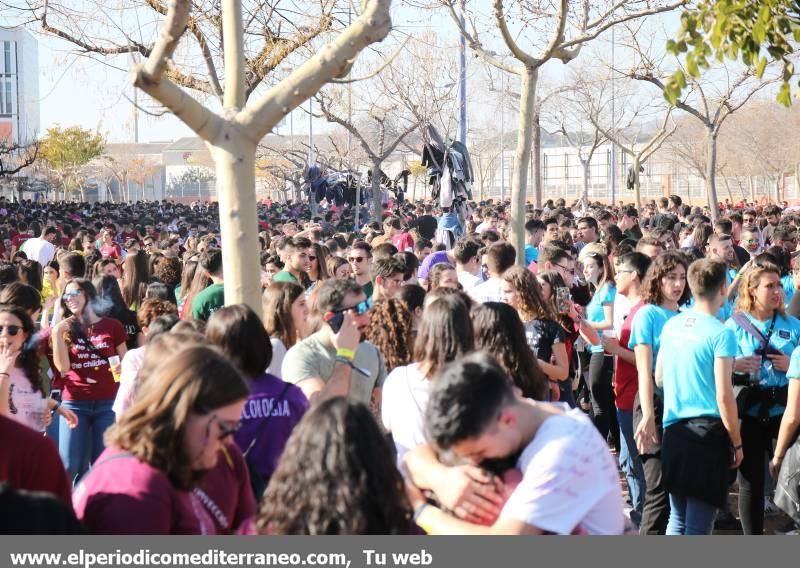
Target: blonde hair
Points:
(751, 279)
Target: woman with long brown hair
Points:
(22, 392)
(444, 334)
(135, 276)
(500, 333)
(286, 313)
(544, 335)
(162, 446)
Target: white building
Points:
(19, 85)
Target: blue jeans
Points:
(629, 462)
(690, 516)
(80, 446)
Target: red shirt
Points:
(403, 241)
(91, 364)
(626, 381)
(123, 495)
(225, 492)
(111, 251)
(20, 238)
(31, 462)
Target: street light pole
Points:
(462, 83)
(613, 125)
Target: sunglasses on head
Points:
(12, 330)
(361, 308)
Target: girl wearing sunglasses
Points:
(21, 390)
(84, 345)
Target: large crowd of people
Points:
(413, 375)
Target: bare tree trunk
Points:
(728, 188)
(522, 156)
(377, 201)
(235, 167)
(586, 166)
(711, 171)
(537, 157)
(752, 189)
(637, 180)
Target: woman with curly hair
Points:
(544, 335)
(168, 272)
(500, 333)
(285, 309)
(22, 395)
(336, 476)
(390, 331)
(444, 334)
(663, 290)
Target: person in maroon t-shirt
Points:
(30, 461)
(629, 271)
(84, 346)
(187, 409)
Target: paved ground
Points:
(771, 522)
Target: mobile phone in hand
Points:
(335, 320)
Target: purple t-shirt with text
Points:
(271, 412)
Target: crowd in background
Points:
(417, 374)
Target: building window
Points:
(7, 57)
(5, 96)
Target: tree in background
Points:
(16, 157)
(557, 32)
(66, 151)
(751, 31)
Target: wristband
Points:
(4, 375)
(348, 354)
(55, 408)
(779, 458)
(349, 363)
(737, 448)
(418, 511)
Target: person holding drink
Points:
(83, 345)
(21, 391)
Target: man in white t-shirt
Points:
(467, 253)
(569, 483)
(41, 249)
(499, 258)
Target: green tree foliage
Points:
(751, 31)
(66, 150)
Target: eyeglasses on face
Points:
(566, 268)
(226, 428)
(356, 259)
(12, 330)
(70, 295)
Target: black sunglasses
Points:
(12, 330)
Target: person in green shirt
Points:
(298, 263)
(360, 259)
(212, 298)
